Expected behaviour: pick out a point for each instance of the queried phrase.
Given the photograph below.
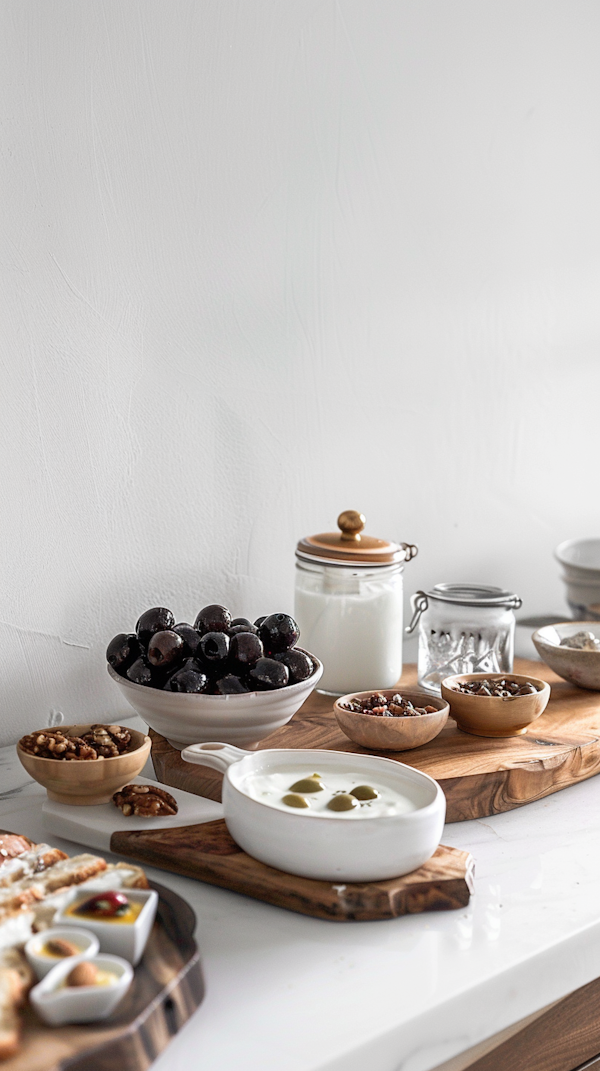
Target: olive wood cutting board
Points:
(479, 776)
(208, 853)
(167, 988)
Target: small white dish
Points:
(56, 1003)
(43, 963)
(127, 939)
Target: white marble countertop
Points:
(285, 991)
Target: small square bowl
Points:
(42, 963)
(491, 715)
(91, 781)
(57, 1004)
(392, 734)
(127, 939)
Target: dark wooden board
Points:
(208, 853)
(167, 989)
(479, 776)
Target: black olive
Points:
(278, 632)
(122, 651)
(298, 663)
(140, 672)
(267, 673)
(236, 629)
(213, 618)
(189, 678)
(189, 634)
(213, 649)
(155, 620)
(165, 648)
(245, 649)
(241, 621)
(229, 685)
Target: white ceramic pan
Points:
(365, 847)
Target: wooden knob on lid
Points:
(351, 525)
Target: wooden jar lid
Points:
(350, 545)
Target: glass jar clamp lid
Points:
(463, 628)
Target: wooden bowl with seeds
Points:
(398, 733)
(491, 715)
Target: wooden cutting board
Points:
(479, 776)
(166, 990)
(208, 853)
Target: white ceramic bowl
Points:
(580, 561)
(236, 719)
(86, 941)
(314, 846)
(579, 667)
(127, 939)
(80, 1004)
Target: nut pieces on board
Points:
(145, 801)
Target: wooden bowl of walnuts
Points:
(84, 764)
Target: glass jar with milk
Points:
(349, 605)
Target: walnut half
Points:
(144, 801)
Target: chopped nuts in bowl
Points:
(84, 764)
(389, 720)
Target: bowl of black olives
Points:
(221, 678)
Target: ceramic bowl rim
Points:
(522, 678)
(562, 548)
(288, 689)
(543, 642)
(111, 758)
(433, 804)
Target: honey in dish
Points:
(127, 916)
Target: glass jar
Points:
(348, 606)
(463, 628)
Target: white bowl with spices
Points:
(361, 837)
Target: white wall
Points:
(264, 261)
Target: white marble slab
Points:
(284, 991)
(94, 826)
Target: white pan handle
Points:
(217, 756)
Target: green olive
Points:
(307, 784)
(293, 799)
(365, 792)
(342, 802)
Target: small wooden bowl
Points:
(392, 734)
(489, 715)
(86, 782)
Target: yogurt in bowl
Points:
(393, 829)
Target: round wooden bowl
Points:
(489, 715)
(86, 782)
(392, 734)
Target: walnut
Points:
(53, 744)
(108, 740)
(145, 801)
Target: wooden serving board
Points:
(167, 988)
(208, 853)
(479, 776)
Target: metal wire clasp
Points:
(419, 603)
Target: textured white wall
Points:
(264, 261)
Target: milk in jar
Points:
(349, 605)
